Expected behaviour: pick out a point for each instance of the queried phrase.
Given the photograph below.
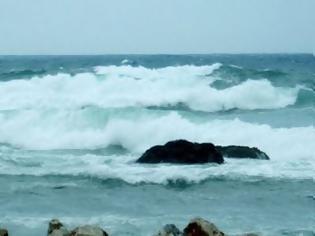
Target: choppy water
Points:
(71, 128)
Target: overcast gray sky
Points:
(156, 26)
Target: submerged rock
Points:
(242, 152)
(88, 230)
(182, 152)
(56, 228)
(4, 232)
(201, 227)
(169, 230)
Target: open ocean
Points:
(71, 128)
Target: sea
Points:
(72, 128)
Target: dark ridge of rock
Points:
(170, 230)
(242, 152)
(201, 227)
(182, 152)
(4, 232)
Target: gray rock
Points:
(201, 227)
(88, 230)
(4, 232)
(56, 228)
(60, 232)
(169, 230)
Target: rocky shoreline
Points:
(196, 227)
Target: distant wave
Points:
(20, 74)
(233, 71)
(127, 86)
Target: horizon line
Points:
(165, 54)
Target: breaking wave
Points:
(126, 86)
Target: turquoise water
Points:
(73, 126)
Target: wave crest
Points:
(126, 86)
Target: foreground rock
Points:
(182, 152)
(242, 152)
(196, 227)
(56, 228)
(4, 232)
(88, 230)
(201, 227)
(170, 230)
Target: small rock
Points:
(233, 151)
(169, 230)
(56, 228)
(201, 227)
(4, 232)
(88, 230)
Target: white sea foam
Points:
(46, 113)
(126, 86)
(291, 149)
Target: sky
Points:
(156, 26)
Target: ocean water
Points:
(71, 128)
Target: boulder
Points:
(182, 152)
(242, 152)
(4, 232)
(59, 232)
(88, 230)
(169, 230)
(201, 227)
(56, 228)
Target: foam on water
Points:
(70, 134)
(126, 86)
(291, 149)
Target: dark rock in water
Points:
(88, 230)
(4, 232)
(242, 152)
(201, 227)
(169, 230)
(56, 228)
(182, 152)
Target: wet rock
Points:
(201, 227)
(182, 152)
(169, 230)
(242, 152)
(4, 232)
(56, 228)
(88, 230)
